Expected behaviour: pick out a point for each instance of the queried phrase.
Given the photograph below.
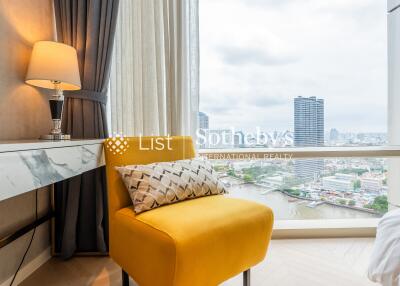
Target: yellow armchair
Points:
(199, 242)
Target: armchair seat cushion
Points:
(202, 242)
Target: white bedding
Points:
(385, 260)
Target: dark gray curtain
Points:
(81, 202)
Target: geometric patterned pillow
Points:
(157, 184)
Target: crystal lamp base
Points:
(56, 103)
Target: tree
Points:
(292, 192)
(357, 171)
(380, 204)
(356, 185)
(342, 201)
(218, 168)
(288, 182)
(231, 173)
(352, 203)
(257, 171)
(248, 178)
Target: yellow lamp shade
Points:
(53, 62)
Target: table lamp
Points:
(54, 66)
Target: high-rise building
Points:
(203, 121)
(372, 184)
(308, 132)
(239, 139)
(203, 125)
(333, 135)
(339, 182)
(219, 138)
(308, 121)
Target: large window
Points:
(258, 57)
(297, 74)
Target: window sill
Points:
(327, 228)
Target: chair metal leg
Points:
(125, 278)
(246, 278)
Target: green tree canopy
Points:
(357, 184)
(380, 204)
(248, 178)
(352, 203)
(231, 173)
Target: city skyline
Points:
(276, 138)
(204, 123)
(254, 62)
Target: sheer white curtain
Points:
(154, 88)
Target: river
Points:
(285, 207)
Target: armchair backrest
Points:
(140, 150)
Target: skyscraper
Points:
(203, 129)
(203, 120)
(308, 132)
(239, 139)
(333, 135)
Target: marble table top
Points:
(20, 145)
(31, 164)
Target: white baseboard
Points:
(29, 268)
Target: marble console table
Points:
(29, 165)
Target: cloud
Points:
(239, 56)
(221, 109)
(267, 101)
(267, 3)
(360, 12)
(257, 55)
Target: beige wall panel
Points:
(24, 114)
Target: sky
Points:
(256, 56)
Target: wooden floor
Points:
(300, 262)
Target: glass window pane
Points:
(344, 187)
(302, 73)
